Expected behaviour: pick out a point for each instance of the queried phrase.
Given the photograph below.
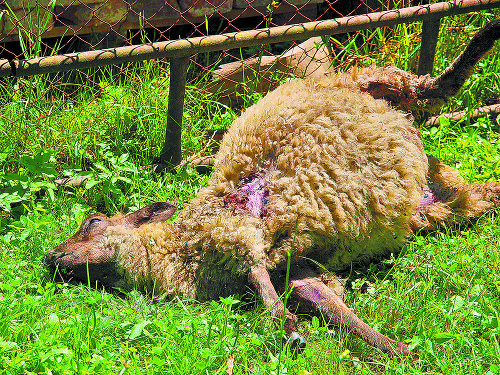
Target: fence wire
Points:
(35, 28)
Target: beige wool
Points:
(345, 174)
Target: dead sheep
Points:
(329, 171)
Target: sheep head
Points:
(86, 254)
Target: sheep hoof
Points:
(296, 342)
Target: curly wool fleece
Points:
(343, 174)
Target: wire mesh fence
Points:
(33, 28)
(36, 28)
(120, 21)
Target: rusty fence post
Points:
(171, 152)
(430, 32)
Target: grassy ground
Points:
(441, 294)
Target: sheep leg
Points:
(259, 278)
(450, 200)
(308, 286)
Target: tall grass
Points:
(441, 294)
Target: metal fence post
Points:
(171, 152)
(430, 31)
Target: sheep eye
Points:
(94, 220)
(88, 224)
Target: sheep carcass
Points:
(328, 172)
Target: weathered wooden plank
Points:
(18, 4)
(65, 27)
(242, 4)
(26, 4)
(83, 15)
(112, 12)
(303, 2)
(200, 8)
(152, 10)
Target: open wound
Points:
(433, 193)
(427, 197)
(250, 195)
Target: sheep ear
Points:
(153, 213)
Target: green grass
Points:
(440, 294)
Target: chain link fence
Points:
(38, 28)
(94, 24)
(34, 28)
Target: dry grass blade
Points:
(230, 364)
